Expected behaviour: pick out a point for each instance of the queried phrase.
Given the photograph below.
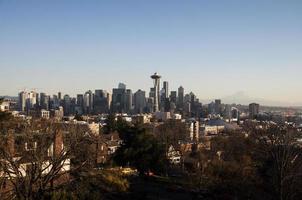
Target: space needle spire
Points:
(156, 81)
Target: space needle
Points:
(156, 81)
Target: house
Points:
(106, 146)
(4, 106)
(173, 155)
(36, 155)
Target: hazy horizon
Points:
(214, 49)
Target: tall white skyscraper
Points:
(31, 100)
(88, 102)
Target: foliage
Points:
(140, 150)
(171, 131)
(266, 164)
(113, 124)
(226, 170)
(78, 117)
(96, 184)
(279, 162)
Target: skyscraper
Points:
(166, 89)
(139, 101)
(59, 96)
(67, 104)
(164, 96)
(54, 102)
(88, 102)
(100, 101)
(218, 107)
(80, 100)
(227, 114)
(173, 97)
(22, 101)
(253, 110)
(180, 102)
(79, 108)
(118, 100)
(109, 100)
(121, 86)
(31, 100)
(152, 93)
(235, 113)
(156, 82)
(150, 104)
(211, 108)
(44, 101)
(128, 101)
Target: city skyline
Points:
(239, 97)
(215, 49)
(157, 100)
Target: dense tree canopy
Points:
(113, 123)
(140, 150)
(266, 164)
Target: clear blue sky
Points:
(214, 48)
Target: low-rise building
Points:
(4, 106)
(45, 114)
(162, 116)
(106, 146)
(141, 119)
(193, 129)
(173, 155)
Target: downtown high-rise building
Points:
(152, 93)
(79, 108)
(173, 97)
(80, 100)
(187, 105)
(253, 110)
(128, 101)
(54, 102)
(121, 86)
(164, 97)
(227, 113)
(139, 101)
(100, 102)
(22, 101)
(180, 100)
(166, 89)
(59, 96)
(67, 105)
(44, 101)
(88, 102)
(118, 103)
(109, 100)
(32, 100)
(211, 108)
(218, 107)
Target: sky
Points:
(214, 48)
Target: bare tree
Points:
(38, 159)
(281, 158)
